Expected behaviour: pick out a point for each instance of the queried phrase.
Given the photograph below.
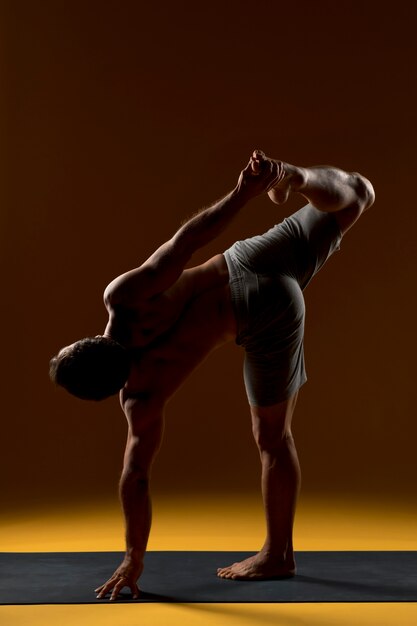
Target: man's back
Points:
(171, 332)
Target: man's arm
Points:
(165, 265)
(144, 439)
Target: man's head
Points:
(91, 369)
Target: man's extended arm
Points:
(165, 265)
(144, 438)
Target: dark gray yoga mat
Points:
(71, 577)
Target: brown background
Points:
(119, 120)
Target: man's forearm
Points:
(137, 509)
(208, 223)
(253, 181)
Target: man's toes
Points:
(221, 572)
(225, 572)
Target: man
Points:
(164, 320)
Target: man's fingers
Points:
(117, 588)
(268, 172)
(104, 591)
(255, 168)
(258, 166)
(258, 162)
(106, 588)
(249, 171)
(248, 168)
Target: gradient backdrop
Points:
(120, 120)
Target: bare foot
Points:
(259, 158)
(291, 178)
(294, 179)
(259, 567)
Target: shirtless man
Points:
(164, 320)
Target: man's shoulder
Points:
(129, 287)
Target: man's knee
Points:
(274, 444)
(365, 197)
(364, 190)
(271, 426)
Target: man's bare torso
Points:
(170, 333)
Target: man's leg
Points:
(327, 188)
(281, 479)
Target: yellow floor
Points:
(232, 523)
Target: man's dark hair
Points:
(93, 368)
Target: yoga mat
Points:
(71, 577)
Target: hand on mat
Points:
(125, 576)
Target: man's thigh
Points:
(274, 366)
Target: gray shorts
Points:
(268, 274)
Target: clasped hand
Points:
(260, 175)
